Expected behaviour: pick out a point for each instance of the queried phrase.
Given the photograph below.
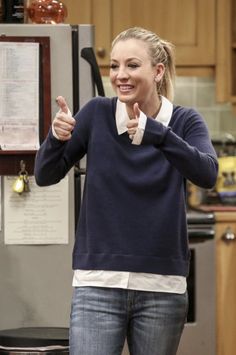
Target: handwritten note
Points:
(40, 216)
(19, 96)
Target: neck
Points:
(155, 113)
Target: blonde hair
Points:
(160, 51)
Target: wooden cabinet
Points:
(232, 54)
(226, 282)
(226, 52)
(189, 24)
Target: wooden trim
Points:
(202, 51)
(195, 71)
(226, 285)
(9, 160)
(223, 53)
(225, 216)
(233, 99)
(78, 11)
(102, 13)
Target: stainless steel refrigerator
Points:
(35, 280)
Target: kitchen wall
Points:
(199, 93)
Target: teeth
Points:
(125, 87)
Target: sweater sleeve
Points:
(55, 158)
(187, 146)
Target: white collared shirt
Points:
(133, 280)
(122, 118)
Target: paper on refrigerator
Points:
(40, 216)
(19, 96)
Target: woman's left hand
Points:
(132, 125)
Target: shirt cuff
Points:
(138, 137)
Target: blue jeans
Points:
(102, 318)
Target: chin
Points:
(127, 99)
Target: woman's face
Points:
(132, 74)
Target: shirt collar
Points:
(122, 118)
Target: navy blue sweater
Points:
(133, 214)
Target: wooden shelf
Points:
(233, 99)
(10, 161)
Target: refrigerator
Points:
(36, 280)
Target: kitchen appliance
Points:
(36, 279)
(34, 340)
(199, 333)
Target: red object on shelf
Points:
(47, 12)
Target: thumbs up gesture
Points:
(63, 123)
(132, 125)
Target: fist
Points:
(63, 123)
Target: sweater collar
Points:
(122, 118)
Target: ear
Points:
(159, 72)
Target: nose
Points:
(122, 73)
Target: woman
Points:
(131, 255)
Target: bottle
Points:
(47, 11)
(13, 11)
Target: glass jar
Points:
(47, 11)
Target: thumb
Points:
(62, 104)
(136, 110)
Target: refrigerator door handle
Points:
(89, 56)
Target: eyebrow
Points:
(127, 60)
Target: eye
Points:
(113, 66)
(133, 65)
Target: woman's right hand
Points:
(63, 123)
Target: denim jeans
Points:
(102, 318)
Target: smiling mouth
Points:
(125, 88)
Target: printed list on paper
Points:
(19, 96)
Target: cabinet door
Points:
(189, 24)
(98, 13)
(226, 287)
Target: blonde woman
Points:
(131, 254)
